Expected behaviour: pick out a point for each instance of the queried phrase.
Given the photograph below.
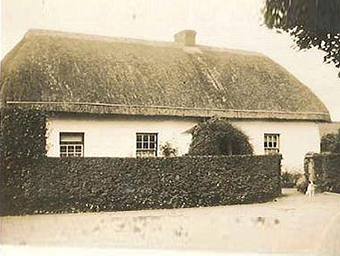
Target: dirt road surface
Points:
(294, 223)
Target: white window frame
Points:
(146, 147)
(271, 143)
(71, 148)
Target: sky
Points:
(235, 24)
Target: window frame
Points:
(71, 144)
(274, 148)
(148, 141)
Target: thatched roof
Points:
(59, 71)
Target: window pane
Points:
(146, 153)
(74, 138)
(71, 144)
(271, 143)
(146, 144)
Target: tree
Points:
(311, 23)
(331, 142)
(219, 137)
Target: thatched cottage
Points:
(125, 98)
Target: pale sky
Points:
(225, 23)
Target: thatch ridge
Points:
(128, 40)
(163, 77)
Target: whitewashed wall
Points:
(116, 136)
(296, 139)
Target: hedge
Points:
(63, 185)
(327, 171)
(32, 183)
(23, 134)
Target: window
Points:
(271, 143)
(71, 144)
(146, 144)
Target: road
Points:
(293, 223)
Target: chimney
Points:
(185, 38)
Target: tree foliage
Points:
(331, 142)
(312, 23)
(219, 137)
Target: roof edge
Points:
(96, 37)
(131, 40)
(104, 108)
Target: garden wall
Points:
(57, 185)
(324, 170)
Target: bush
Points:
(331, 142)
(219, 137)
(23, 140)
(23, 134)
(58, 185)
(327, 172)
(167, 150)
(289, 180)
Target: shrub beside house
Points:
(330, 142)
(219, 137)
